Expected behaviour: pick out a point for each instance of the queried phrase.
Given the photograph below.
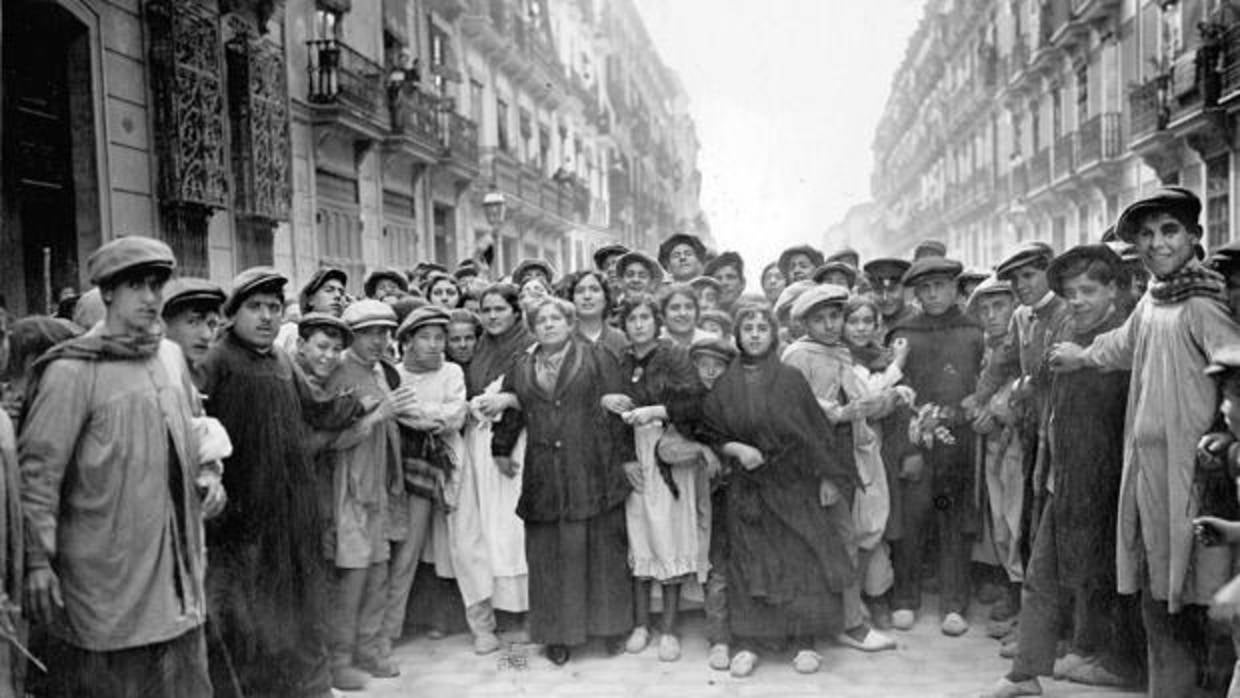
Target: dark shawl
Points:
(495, 356)
(783, 541)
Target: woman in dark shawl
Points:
(572, 501)
(789, 563)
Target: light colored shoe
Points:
(807, 662)
(743, 664)
(1090, 672)
(954, 625)
(669, 648)
(1067, 663)
(903, 619)
(1010, 648)
(874, 641)
(1006, 688)
(719, 659)
(486, 643)
(638, 639)
(349, 678)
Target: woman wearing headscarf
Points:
(574, 485)
(789, 560)
(668, 539)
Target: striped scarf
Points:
(1189, 281)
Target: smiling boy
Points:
(1172, 335)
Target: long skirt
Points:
(667, 539)
(579, 580)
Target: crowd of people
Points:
(229, 492)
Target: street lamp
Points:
(493, 204)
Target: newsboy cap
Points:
(635, 257)
(718, 347)
(1177, 201)
(929, 248)
(886, 268)
(693, 241)
(1026, 254)
(606, 252)
(393, 275)
(990, 286)
(932, 266)
(250, 282)
(527, 266)
(1097, 252)
(725, 259)
(785, 257)
(846, 255)
(126, 254)
(822, 294)
(837, 267)
(425, 316)
(367, 313)
(188, 290)
(325, 321)
(317, 280)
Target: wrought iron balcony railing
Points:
(415, 114)
(339, 74)
(462, 140)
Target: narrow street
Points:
(927, 665)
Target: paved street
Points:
(927, 665)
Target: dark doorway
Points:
(46, 97)
(444, 225)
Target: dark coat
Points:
(665, 376)
(575, 450)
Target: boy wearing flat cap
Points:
(798, 263)
(936, 482)
(267, 568)
(191, 317)
(109, 456)
(1176, 330)
(323, 293)
(886, 279)
(682, 255)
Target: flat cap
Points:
(929, 248)
(973, 275)
(693, 241)
(393, 275)
(790, 294)
(701, 282)
(325, 320)
(127, 253)
(725, 259)
(606, 252)
(720, 317)
(823, 294)
(836, 267)
(424, 316)
(1026, 254)
(785, 257)
(1096, 252)
(466, 268)
(189, 290)
(321, 276)
(1178, 201)
(635, 257)
(528, 266)
(932, 266)
(891, 268)
(718, 347)
(369, 312)
(424, 268)
(990, 286)
(251, 281)
(1225, 259)
(846, 255)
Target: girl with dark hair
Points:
(443, 290)
(678, 304)
(668, 541)
(591, 297)
(789, 562)
(464, 331)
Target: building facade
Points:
(360, 134)
(1017, 120)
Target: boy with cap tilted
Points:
(323, 293)
(1176, 330)
(191, 316)
(936, 482)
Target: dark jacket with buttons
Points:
(575, 450)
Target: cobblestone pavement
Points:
(926, 665)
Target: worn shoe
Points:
(486, 643)
(638, 639)
(873, 641)
(669, 648)
(1010, 648)
(1006, 688)
(807, 662)
(719, 659)
(1091, 672)
(954, 625)
(1067, 663)
(379, 667)
(999, 629)
(349, 678)
(558, 654)
(903, 619)
(743, 664)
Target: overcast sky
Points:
(786, 95)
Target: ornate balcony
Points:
(1145, 108)
(461, 144)
(1099, 139)
(415, 123)
(1065, 156)
(345, 87)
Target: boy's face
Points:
(1030, 284)
(370, 343)
(889, 296)
(193, 329)
(825, 324)
(995, 313)
(320, 353)
(1089, 299)
(709, 368)
(1164, 243)
(258, 319)
(936, 294)
(731, 282)
(800, 267)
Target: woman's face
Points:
(533, 290)
(640, 326)
(551, 327)
(426, 343)
(859, 328)
(636, 278)
(462, 342)
(445, 294)
(497, 315)
(756, 335)
(589, 298)
(773, 283)
(680, 314)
